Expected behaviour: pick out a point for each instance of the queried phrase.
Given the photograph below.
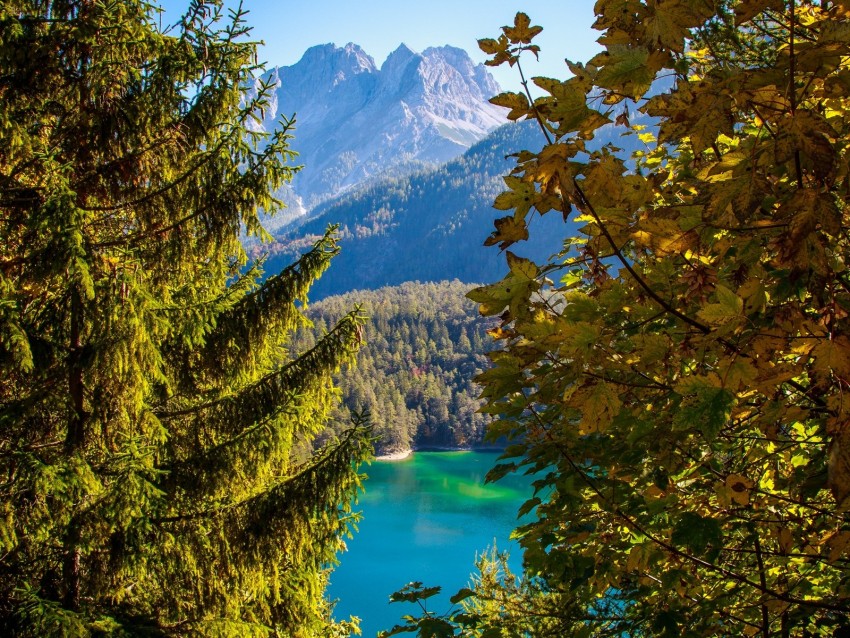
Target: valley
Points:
(410, 187)
(600, 320)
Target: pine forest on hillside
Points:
(439, 212)
(423, 346)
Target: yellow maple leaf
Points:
(739, 487)
(522, 32)
(785, 540)
(521, 267)
(833, 355)
(516, 102)
(508, 231)
(746, 10)
(521, 197)
(838, 545)
(599, 403)
(670, 23)
(839, 467)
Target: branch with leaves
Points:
(680, 392)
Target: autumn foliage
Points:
(676, 379)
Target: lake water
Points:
(424, 518)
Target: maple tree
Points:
(676, 379)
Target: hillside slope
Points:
(430, 226)
(423, 345)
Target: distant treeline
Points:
(423, 345)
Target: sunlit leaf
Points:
(522, 32)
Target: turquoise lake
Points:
(424, 519)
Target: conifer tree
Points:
(158, 476)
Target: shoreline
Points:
(394, 456)
(406, 454)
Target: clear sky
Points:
(289, 27)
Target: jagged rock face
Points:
(355, 121)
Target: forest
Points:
(423, 344)
(159, 477)
(176, 453)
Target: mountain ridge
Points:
(427, 226)
(355, 120)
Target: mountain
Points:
(355, 121)
(429, 226)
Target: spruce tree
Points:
(158, 472)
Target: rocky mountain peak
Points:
(331, 57)
(355, 121)
(460, 61)
(400, 56)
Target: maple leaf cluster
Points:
(677, 378)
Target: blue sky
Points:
(289, 27)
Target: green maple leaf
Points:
(697, 534)
(413, 592)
